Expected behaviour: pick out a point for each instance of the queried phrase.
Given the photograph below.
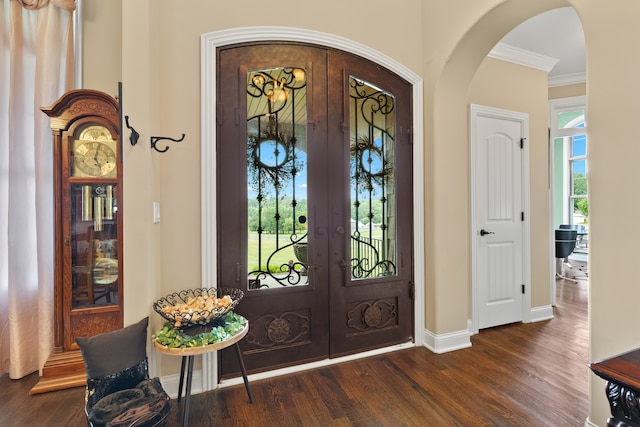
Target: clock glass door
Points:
(94, 249)
(94, 217)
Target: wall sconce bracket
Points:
(155, 139)
(133, 138)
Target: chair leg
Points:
(559, 262)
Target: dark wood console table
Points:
(622, 373)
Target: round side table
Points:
(188, 354)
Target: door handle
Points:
(484, 232)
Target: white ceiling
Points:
(555, 34)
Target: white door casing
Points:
(498, 199)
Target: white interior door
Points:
(497, 147)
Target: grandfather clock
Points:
(88, 286)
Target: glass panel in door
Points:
(277, 177)
(373, 198)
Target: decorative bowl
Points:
(199, 306)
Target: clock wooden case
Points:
(88, 285)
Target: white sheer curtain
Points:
(36, 68)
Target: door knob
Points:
(484, 232)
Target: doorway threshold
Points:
(313, 365)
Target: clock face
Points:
(94, 154)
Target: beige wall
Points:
(102, 45)
(612, 110)
(444, 41)
(568, 91)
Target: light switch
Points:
(156, 212)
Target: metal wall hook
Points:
(133, 138)
(155, 139)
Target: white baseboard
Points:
(170, 383)
(541, 313)
(444, 343)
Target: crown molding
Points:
(524, 57)
(567, 79)
(530, 59)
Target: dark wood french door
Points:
(314, 202)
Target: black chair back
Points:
(565, 242)
(578, 227)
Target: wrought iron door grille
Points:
(276, 166)
(372, 125)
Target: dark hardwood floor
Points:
(531, 374)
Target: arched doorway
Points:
(451, 275)
(211, 43)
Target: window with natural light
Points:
(570, 167)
